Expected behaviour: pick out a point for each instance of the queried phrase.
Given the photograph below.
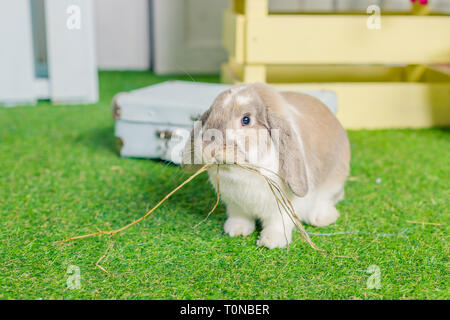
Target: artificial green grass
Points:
(60, 177)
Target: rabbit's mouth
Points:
(226, 159)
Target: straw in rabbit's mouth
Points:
(283, 202)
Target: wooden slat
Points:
(116, 49)
(387, 105)
(251, 7)
(256, 8)
(379, 104)
(345, 39)
(234, 35)
(71, 53)
(16, 53)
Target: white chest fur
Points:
(243, 190)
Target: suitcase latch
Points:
(164, 134)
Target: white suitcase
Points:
(155, 122)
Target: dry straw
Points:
(283, 203)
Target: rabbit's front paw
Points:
(235, 226)
(272, 238)
(324, 216)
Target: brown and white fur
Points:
(313, 160)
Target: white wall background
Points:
(123, 34)
(187, 35)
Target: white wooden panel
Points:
(16, 53)
(71, 53)
(187, 36)
(42, 88)
(352, 5)
(123, 34)
(357, 5)
(440, 6)
(301, 5)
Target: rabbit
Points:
(307, 152)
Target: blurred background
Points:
(174, 36)
(53, 49)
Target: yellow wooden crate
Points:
(369, 97)
(256, 37)
(338, 52)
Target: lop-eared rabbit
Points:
(300, 144)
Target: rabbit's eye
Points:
(245, 120)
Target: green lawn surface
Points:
(60, 176)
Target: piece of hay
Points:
(282, 202)
(217, 199)
(114, 232)
(425, 223)
(103, 257)
(404, 231)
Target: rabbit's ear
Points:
(192, 152)
(291, 159)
